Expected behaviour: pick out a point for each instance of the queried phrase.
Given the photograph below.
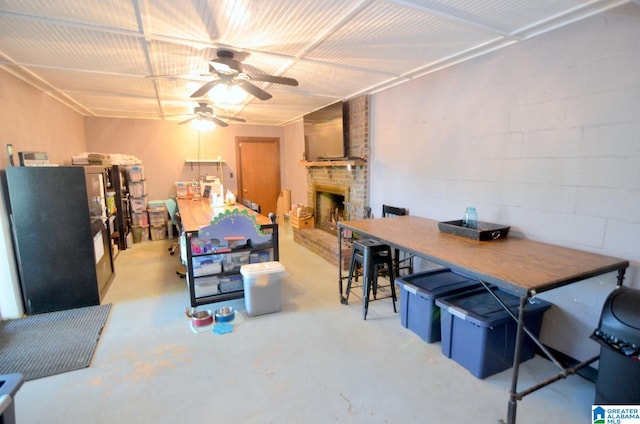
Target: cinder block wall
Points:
(543, 136)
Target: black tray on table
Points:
(484, 231)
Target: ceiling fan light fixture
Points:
(204, 124)
(227, 94)
(236, 94)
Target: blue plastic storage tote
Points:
(479, 334)
(418, 292)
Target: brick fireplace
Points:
(338, 190)
(330, 205)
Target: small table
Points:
(522, 267)
(197, 214)
(9, 386)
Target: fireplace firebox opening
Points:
(329, 206)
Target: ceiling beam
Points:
(453, 14)
(147, 57)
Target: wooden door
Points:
(259, 171)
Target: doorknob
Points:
(244, 190)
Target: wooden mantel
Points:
(333, 163)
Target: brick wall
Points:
(356, 178)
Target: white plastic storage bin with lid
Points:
(158, 232)
(182, 190)
(140, 218)
(135, 173)
(137, 188)
(157, 216)
(262, 287)
(138, 204)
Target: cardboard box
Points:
(301, 224)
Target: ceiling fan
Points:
(205, 112)
(227, 70)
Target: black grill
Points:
(619, 336)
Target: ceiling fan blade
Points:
(204, 89)
(224, 64)
(218, 121)
(171, 76)
(252, 89)
(274, 79)
(187, 120)
(231, 118)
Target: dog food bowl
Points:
(225, 314)
(201, 318)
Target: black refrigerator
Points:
(61, 242)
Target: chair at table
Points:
(401, 260)
(172, 208)
(176, 220)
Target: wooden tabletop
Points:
(197, 213)
(522, 266)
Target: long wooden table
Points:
(198, 213)
(522, 267)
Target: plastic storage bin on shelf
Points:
(230, 283)
(479, 334)
(140, 218)
(205, 265)
(187, 190)
(206, 286)
(138, 204)
(137, 189)
(158, 232)
(156, 204)
(257, 257)
(233, 261)
(262, 287)
(182, 190)
(135, 173)
(157, 216)
(418, 292)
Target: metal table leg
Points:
(513, 400)
(340, 276)
(367, 267)
(340, 264)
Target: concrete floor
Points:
(317, 361)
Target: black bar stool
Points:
(401, 260)
(372, 255)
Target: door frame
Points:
(267, 140)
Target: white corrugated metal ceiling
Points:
(144, 58)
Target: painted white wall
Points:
(164, 146)
(294, 175)
(543, 136)
(30, 120)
